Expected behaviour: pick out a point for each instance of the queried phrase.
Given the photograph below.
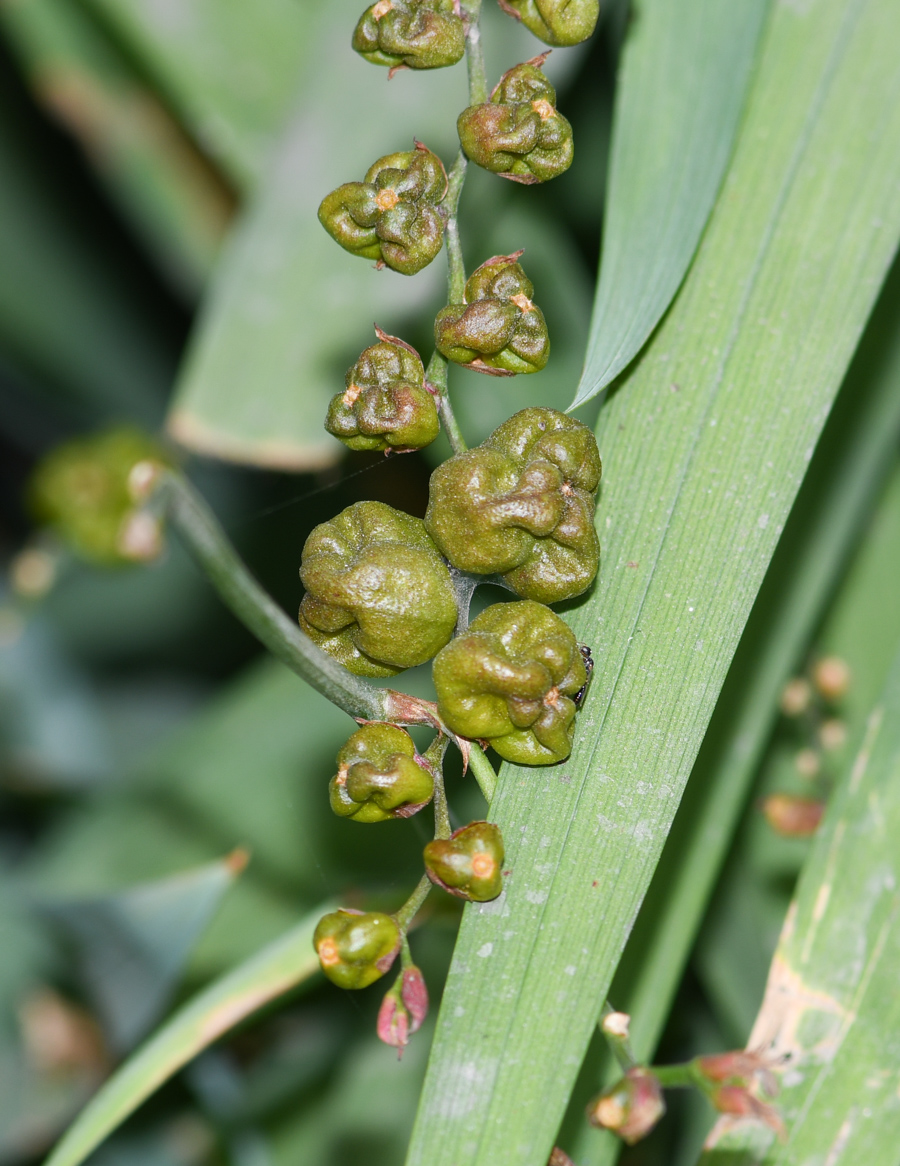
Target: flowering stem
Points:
(436, 375)
(478, 93)
(435, 755)
(208, 543)
(483, 771)
(410, 908)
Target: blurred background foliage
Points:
(160, 163)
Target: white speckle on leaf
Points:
(570, 970)
(763, 521)
(536, 897)
(485, 950)
(459, 1011)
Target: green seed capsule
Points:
(418, 34)
(378, 776)
(379, 597)
(556, 22)
(356, 949)
(469, 863)
(81, 490)
(498, 330)
(386, 404)
(510, 679)
(519, 133)
(394, 215)
(521, 505)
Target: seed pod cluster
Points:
(498, 329)
(379, 776)
(415, 34)
(510, 679)
(387, 404)
(521, 505)
(519, 133)
(379, 597)
(393, 216)
(556, 22)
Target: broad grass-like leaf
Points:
(705, 445)
(851, 462)
(132, 947)
(224, 1004)
(682, 82)
(831, 1015)
(230, 68)
(167, 189)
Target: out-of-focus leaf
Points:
(861, 628)
(683, 78)
(705, 446)
(219, 1008)
(831, 1014)
(115, 839)
(71, 312)
(229, 67)
(170, 193)
(51, 729)
(132, 947)
(830, 515)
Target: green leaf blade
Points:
(682, 83)
(704, 448)
(269, 974)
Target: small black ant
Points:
(588, 659)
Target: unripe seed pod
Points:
(521, 505)
(831, 676)
(556, 22)
(394, 215)
(420, 34)
(81, 490)
(519, 133)
(498, 330)
(630, 1108)
(378, 776)
(510, 679)
(379, 597)
(468, 864)
(355, 949)
(387, 404)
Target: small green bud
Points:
(468, 864)
(556, 22)
(379, 597)
(519, 133)
(510, 679)
(522, 505)
(393, 216)
(498, 329)
(355, 949)
(379, 776)
(418, 34)
(81, 489)
(387, 403)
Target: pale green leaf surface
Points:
(831, 1014)
(132, 947)
(224, 1004)
(683, 78)
(166, 188)
(228, 66)
(704, 448)
(851, 461)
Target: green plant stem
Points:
(435, 756)
(410, 908)
(436, 375)
(206, 540)
(456, 268)
(677, 1076)
(478, 92)
(483, 771)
